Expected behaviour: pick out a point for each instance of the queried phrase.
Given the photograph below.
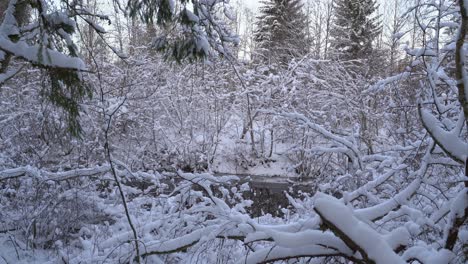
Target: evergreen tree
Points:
(354, 28)
(280, 33)
(43, 35)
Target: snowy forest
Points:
(208, 131)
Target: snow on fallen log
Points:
(177, 244)
(18, 172)
(356, 234)
(65, 175)
(268, 255)
(53, 176)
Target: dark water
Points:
(269, 196)
(267, 193)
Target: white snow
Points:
(41, 55)
(428, 256)
(449, 140)
(368, 240)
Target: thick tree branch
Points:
(460, 58)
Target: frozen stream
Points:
(267, 192)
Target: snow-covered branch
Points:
(356, 155)
(355, 234)
(449, 141)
